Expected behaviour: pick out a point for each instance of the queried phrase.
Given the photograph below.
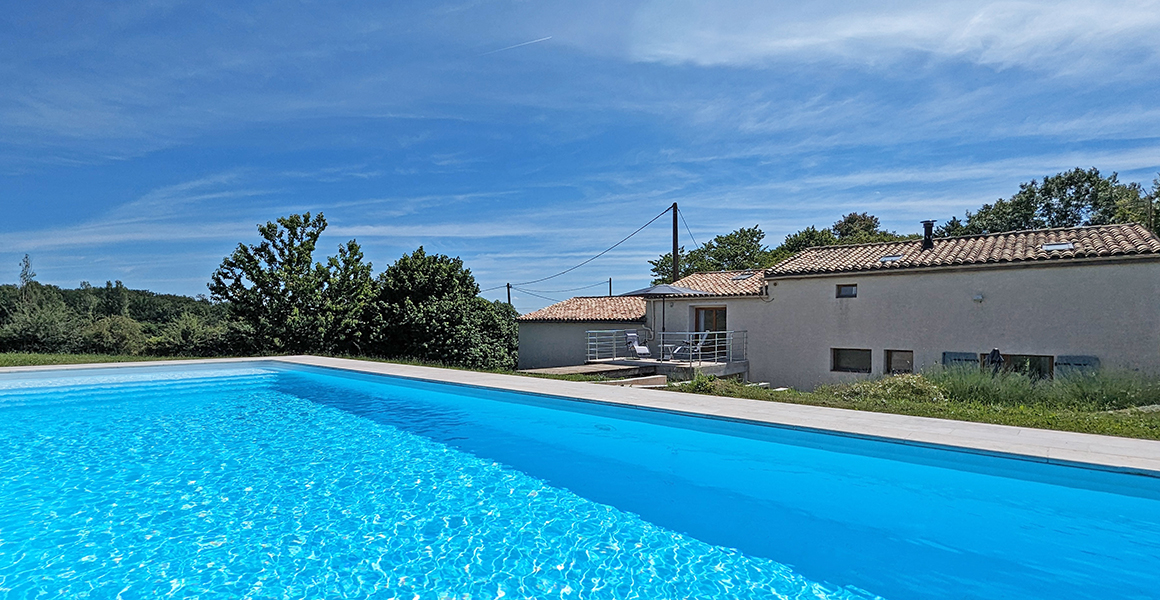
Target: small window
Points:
(956, 359)
(743, 276)
(891, 258)
(849, 290)
(1067, 365)
(1057, 246)
(1037, 366)
(849, 360)
(899, 361)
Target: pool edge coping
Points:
(1065, 448)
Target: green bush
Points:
(701, 384)
(909, 387)
(190, 335)
(40, 322)
(116, 334)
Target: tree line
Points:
(274, 298)
(1073, 198)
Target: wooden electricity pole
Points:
(676, 258)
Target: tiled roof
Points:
(725, 283)
(590, 308)
(1000, 248)
(631, 308)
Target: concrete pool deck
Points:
(1043, 445)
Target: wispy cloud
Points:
(1058, 37)
(519, 45)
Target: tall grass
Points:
(1090, 403)
(1093, 391)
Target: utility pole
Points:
(509, 287)
(609, 287)
(676, 258)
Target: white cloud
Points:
(1058, 37)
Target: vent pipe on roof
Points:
(927, 235)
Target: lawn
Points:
(27, 359)
(1103, 403)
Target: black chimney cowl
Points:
(927, 235)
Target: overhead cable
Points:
(606, 251)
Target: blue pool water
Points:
(260, 481)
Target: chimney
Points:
(927, 235)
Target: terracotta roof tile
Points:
(631, 308)
(1015, 246)
(590, 308)
(725, 283)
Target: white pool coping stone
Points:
(1042, 445)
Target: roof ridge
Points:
(980, 235)
(1025, 245)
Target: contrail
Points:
(543, 39)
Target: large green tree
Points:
(427, 307)
(740, 249)
(292, 303)
(1069, 199)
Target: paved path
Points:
(1061, 447)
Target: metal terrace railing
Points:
(607, 344)
(686, 347)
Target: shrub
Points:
(700, 384)
(40, 323)
(909, 387)
(116, 334)
(190, 335)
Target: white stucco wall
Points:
(1109, 310)
(559, 344)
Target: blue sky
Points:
(141, 141)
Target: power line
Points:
(690, 231)
(535, 294)
(587, 287)
(609, 249)
(492, 288)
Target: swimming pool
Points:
(265, 480)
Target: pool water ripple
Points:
(232, 487)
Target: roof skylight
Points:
(1056, 246)
(741, 276)
(891, 258)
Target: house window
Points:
(1034, 365)
(848, 360)
(1072, 364)
(848, 290)
(710, 319)
(958, 359)
(899, 361)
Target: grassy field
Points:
(25, 359)
(1106, 403)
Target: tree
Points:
(292, 303)
(740, 249)
(347, 293)
(27, 275)
(855, 225)
(863, 228)
(807, 238)
(427, 307)
(40, 322)
(1069, 199)
(952, 227)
